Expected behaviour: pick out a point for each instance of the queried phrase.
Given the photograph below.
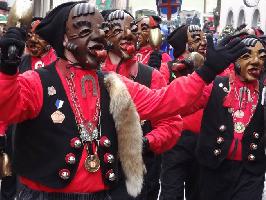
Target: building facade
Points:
(236, 13)
(203, 8)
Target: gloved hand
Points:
(12, 46)
(155, 60)
(219, 58)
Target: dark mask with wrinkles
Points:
(85, 38)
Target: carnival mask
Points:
(196, 40)
(85, 39)
(143, 31)
(120, 34)
(36, 45)
(250, 65)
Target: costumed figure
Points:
(179, 165)
(76, 126)
(9, 181)
(121, 59)
(147, 54)
(38, 52)
(231, 144)
(189, 52)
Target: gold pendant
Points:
(92, 163)
(239, 127)
(239, 114)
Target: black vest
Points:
(25, 64)
(215, 115)
(41, 145)
(144, 77)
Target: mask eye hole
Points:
(84, 32)
(245, 56)
(134, 28)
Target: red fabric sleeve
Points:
(201, 102)
(165, 131)
(165, 72)
(174, 99)
(21, 96)
(157, 81)
(165, 134)
(193, 122)
(166, 58)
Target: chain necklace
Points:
(239, 127)
(89, 132)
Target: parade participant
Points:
(146, 54)
(231, 142)
(38, 52)
(9, 182)
(121, 25)
(189, 52)
(179, 164)
(75, 122)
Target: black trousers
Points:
(26, 193)
(180, 171)
(231, 181)
(151, 185)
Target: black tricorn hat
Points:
(178, 40)
(53, 27)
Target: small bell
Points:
(253, 146)
(217, 152)
(251, 157)
(105, 142)
(64, 174)
(108, 158)
(220, 140)
(222, 128)
(75, 143)
(111, 175)
(256, 135)
(70, 158)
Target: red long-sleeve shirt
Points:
(24, 92)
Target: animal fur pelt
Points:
(129, 133)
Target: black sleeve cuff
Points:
(206, 73)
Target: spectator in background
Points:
(196, 20)
(188, 20)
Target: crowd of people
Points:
(93, 110)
